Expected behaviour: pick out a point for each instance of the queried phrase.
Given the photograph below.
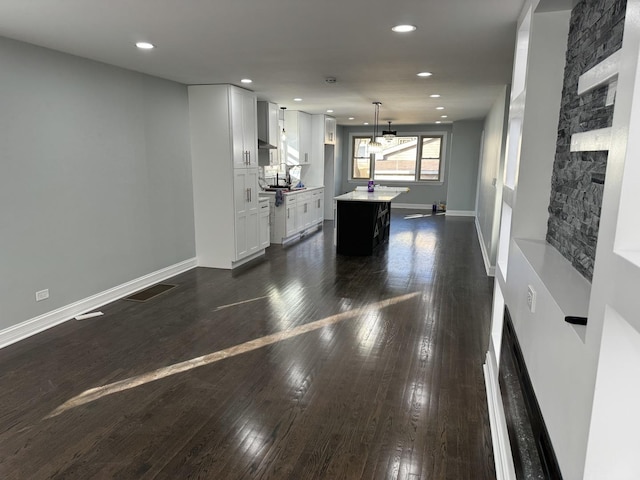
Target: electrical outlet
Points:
(42, 295)
(531, 298)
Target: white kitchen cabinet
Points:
(246, 211)
(269, 133)
(244, 129)
(303, 211)
(298, 137)
(317, 205)
(264, 224)
(297, 216)
(290, 210)
(225, 178)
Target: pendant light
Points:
(389, 135)
(375, 146)
(283, 135)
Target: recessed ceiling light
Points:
(435, 95)
(297, 99)
(443, 116)
(425, 74)
(438, 121)
(439, 108)
(366, 123)
(246, 80)
(404, 28)
(352, 118)
(145, 45)
(329, 111)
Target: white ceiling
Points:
(289, 47)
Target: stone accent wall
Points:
(578, 178)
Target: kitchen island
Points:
(363, 220)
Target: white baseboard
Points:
(50, 319)
(491, 269)
(412, 206)
(461, 213)
(499, 434)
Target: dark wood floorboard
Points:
(374, 391)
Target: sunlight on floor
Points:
(96, 393)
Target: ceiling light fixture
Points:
(145, 45)
(297, 99)
(283, 135)
(375, 146)
(424, 74)
(389, 135)
(246, 80)
(404, 28)
(438, 121)
(329, 111)
(444, 116)
(435, 95)
(352, 118)
(439, 108)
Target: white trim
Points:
(591, 141)
(461, 213)
(50, 319)
(499, 434)
(490, 269)
(412, 206)
(600, 74)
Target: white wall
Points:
(490, 176)
(463, 166)
(95, 178)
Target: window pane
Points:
(361, 158)
(397, 161)
(430, 161)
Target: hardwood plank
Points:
(385, 390)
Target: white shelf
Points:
(601, 74)
(591, 141)
(570, 290)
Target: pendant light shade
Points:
(389, 135)
(283, 135)
(375, 146)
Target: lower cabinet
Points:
(246, 212)
(264, 225)
(317, 205)
(301, 212)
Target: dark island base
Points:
(362, 227)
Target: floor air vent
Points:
(149, 293)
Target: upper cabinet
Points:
(268, 133)
(298, 137)
(330, 125)
(244, 128)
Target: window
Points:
(404, 159)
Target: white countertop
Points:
(375, 196)
(290, 192)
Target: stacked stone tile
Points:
(578, 178)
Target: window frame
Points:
(443, 135)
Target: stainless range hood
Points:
(267, 125)
(264, 145)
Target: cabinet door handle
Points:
(287, 213)
(248, 193)
(306, 158)
(248, 157)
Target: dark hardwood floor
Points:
(330, 367)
